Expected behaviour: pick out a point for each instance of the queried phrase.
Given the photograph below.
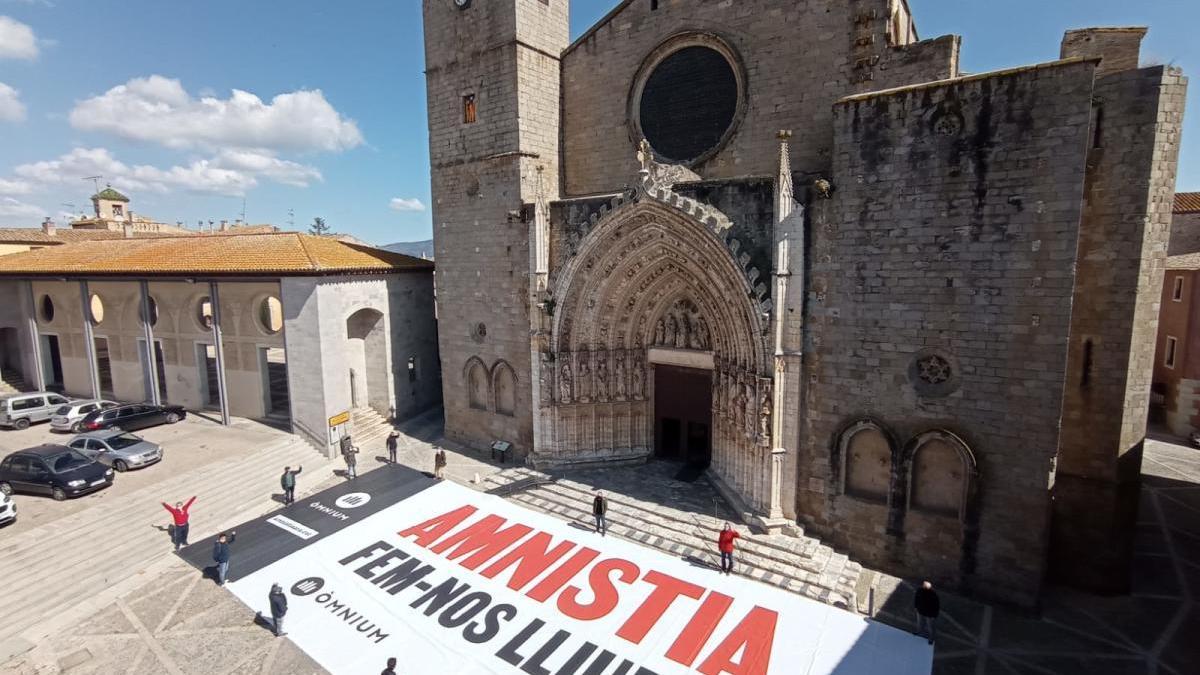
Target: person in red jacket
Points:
(725, 546)
(180, 513)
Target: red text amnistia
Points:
(489, 544)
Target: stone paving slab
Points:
(205, 629)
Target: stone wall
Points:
(1134, 144)
(506, 54)
(940, 299)
(1185, 233)
(798, 58)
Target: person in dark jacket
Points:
(391, 667)
(349, 454)
(393, 440)
(221, 555)
(600, 511)
(288, 482)
(928, 606)
(179, 513)
(439, 464)
(278, 609)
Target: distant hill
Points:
(417, 249)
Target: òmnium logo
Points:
(307, 586)
(352, 500)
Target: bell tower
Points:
(492, 76)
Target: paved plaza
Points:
(168, 619)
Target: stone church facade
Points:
(909, 310)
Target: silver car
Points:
(69, 416)
(119, 449)
(21, 410)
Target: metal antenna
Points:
(291, 219)
(243, 210)
(95, 182)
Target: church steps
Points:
(697, 549)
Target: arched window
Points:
(477, 384)
(504, 382)
(941, 470)
(866, 462)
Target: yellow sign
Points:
(339, 419)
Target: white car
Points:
(8, 509)
(67, 417)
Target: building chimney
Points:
(48, 227)
(224, 225)
(128, 229)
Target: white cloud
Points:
(11, 108)
(229, 173)
(12, 208)
(157, 109)
(401, 204)
(15, 187)
(17, 40)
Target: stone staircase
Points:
(369, 428)
(11, 382)
(801, 565)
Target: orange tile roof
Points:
(35, 235)
(1187, 202)
(276, 254)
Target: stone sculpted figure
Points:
(751, 412)
(638, 373)
(764, 415)
(702, 338)
(683, 337)
(564, 383)
(660, 333)
(546, 375)
(619, 392)
(583, 387)
(601, 378)
(672, 331)
(644, 154)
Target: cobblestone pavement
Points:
(174, 622)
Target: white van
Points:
(20, 410)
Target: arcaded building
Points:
(908, 310)
(287, 328)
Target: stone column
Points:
(39, 375)
(148, 333)
(89, 338)
(215, 299)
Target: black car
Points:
(132, 416)
(54, 470)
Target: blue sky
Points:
(84, 83)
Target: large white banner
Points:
(454, 581)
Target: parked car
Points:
(133, 416)
(117, 448)
(21, 410)
(69, 416)
(8, 509)
(55, 470)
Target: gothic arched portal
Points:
(650, 280)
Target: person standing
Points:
(220, 555)
(179, 513)
(725, 546)
(288, 482)
(351, 461)
(928, 606)
(439, 463)
(391, 667)
(393, 440)
(600, 511)
(278, 609)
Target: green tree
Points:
(318, 227)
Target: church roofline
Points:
(596, 26)
(1061, 63)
